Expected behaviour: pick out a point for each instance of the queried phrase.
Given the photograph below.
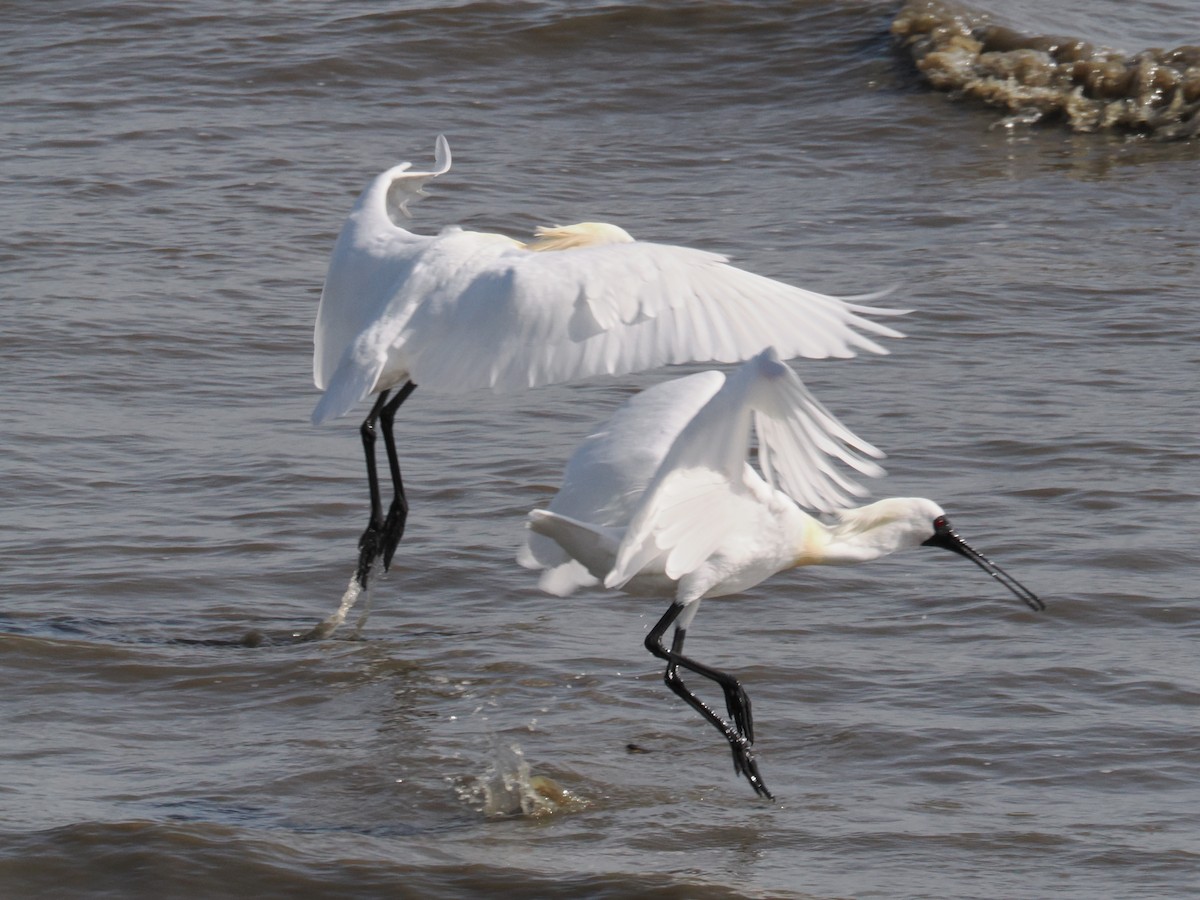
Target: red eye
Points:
(939, 523)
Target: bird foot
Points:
(393, 531)
(745, 764)
(369, 548)
(737, 701)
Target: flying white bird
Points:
(662, 501)
(462, 310)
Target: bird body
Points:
(461, 310)
(773, 534)
(689, 512)
(768, 534)
(690, 518)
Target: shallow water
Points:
(174, 181)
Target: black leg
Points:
(393, 526)
(371, 541)
(740, 734)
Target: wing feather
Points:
(372, 258)
(461, 310)
(552, 316)
(611, 468)
(704, 487)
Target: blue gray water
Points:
(174, 176)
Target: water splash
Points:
(1046, 77)
(325, 628)
(508, 787)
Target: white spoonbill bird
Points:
(462, 310)
(661, 501)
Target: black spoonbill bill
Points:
(462, 310)
(662, 501)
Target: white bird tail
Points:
(593, 545)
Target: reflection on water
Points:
(1037, 77)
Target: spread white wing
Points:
(609, 471)
(703, 490)
(372, 259)
(530, 318)
(464, 310)
(405, 187)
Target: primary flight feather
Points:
(463, 309)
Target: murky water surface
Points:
(174, 178)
